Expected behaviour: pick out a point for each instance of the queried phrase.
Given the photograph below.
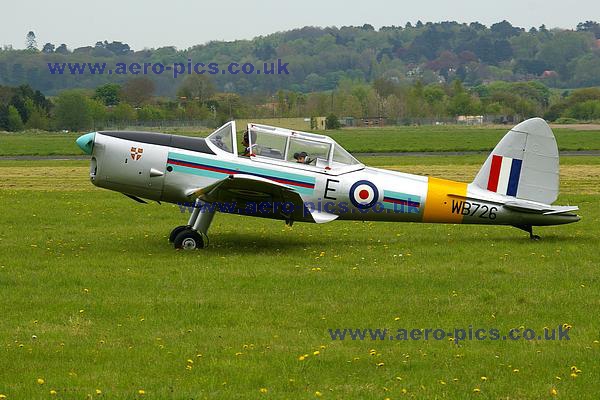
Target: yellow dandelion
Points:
(40, 381)
(557, 377)
(380, 364)
(263, 390)
(573, 375)
(239, 353)
(301, 358)
(516, 370)
(52, 392)
(322, 347)
(188, 367)
(404, 391)
(442, 382)
(398, 378)
(98, 392)
(476, 390)
(2, 396)
(573, 368)
(141, 392)
(484, 378)
(190, 361)
(318, 394)
(553, 392)
(397, 319)
(316, 353)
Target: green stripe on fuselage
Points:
(401, 196)
(264, 172)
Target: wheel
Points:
(535, 237)
(189, 240)
(175, 231)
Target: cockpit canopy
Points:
(272, 144)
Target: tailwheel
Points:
(528, 229)
(189, 239)
(176, 231)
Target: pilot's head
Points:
(300, 157)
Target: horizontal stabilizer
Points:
(538, 208)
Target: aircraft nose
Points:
(86, 142)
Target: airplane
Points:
(298, 176)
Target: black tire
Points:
(176, 231)
(188, 240)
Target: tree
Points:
(72, 111)
(97, 113)
(137, 91)
(589, 26)
(48, 48)
(332, 122)
(62, 49)
(123, 112)
(196, 87)
(15, 123)
(30, 43)
(504, 29)
(461, 103)
(38, 119)
(108, 94)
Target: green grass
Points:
(359, 140)
(113, 307)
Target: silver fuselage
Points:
(168, 167)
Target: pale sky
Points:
(153, 23)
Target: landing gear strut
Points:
(528, 229)
(194, 235)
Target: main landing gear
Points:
(528, 229)
(194, 235)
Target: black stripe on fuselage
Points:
(163, 139)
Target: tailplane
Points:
(524, 164)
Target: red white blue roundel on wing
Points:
(364, 194)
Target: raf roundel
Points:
(364, 194)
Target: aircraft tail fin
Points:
(524, 164)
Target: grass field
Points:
(94, 298)
(356, 140)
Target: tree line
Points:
(320, 58)
(198, 100)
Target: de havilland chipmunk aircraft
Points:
(305, 177)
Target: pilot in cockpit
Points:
(301, 157)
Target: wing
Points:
(247, 191)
